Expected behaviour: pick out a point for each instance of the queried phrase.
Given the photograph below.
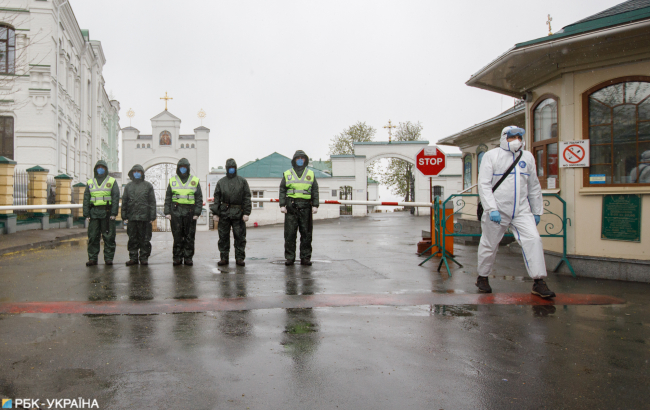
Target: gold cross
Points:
(390, 131)
(548, 23)
(166, 98)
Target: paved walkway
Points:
(364, 327)
(37, 238)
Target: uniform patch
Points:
(108, 185)
(308, 178)
(173, 183)
(289, 177)
(193, 183)
(522, 164)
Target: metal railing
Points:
(438, 237)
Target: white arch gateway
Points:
(166, 145)
(350, 170)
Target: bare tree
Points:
(343, 143)
(15, 59)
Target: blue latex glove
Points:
(536, 219)
(495, 216)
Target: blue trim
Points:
(514, 206)
(523, 173)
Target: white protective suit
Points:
(517, 199)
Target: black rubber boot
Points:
(109, 263)
(144, 262)
(541, 289)
(483, 284)
(305, 262)
(91, 263)
(240, 262)
(131, 263)
(289, 262)
(177, 262)
(188, 262)
(222, 262)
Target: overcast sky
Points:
(287, 75)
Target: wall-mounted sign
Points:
(597, 178)
(621, 218)
(574, 154)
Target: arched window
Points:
(7, 50)
(192, 145)
(467, 171)
(480, 151)
(618, 128)
(182, 145)
(137, 146)
(545, 141)
(148, 145)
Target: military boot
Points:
(109, 263)
(91, 263)
(483, 284)
(222, 262)
(240, 262)
(177, 262)
(131, 263)
(188, 262)
(289, 262)
(305, 262)
(144, 262)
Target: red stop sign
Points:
(431, 161)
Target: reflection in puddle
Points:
(454, 310)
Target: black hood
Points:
(185, 163)
(103, 163)
(299, 153)
(230, 163)
(136, 167)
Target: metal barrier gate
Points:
(439, 233)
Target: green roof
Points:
(62, 176)
(372, 181)
(37, 168)
(620, 14)
(4, 160)
(272, 166)
(322, 165)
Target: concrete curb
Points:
(42, 244)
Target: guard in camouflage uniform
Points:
(138, 211)
(298, 201)
(100, 207)
(232, 207)
(183, 206)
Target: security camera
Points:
(527, 97)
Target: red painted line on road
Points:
(300, 301)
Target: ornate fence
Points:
(555, 228)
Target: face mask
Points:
(137, 175)
(514, 145)
(231, 170)
(101, 171)
(183, 170)
(300, 162)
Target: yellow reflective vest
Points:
(299, 187)
(183, 193)
(101, 194)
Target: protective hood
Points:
(299, 153)
(645, 157)
(230, 163)
(105, 165)
(503, 143)
(183, 163)
(136, 167)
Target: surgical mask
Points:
(300, 162)
(137, 175)
(183, 170)
(101, 171)
(231, 170)
(514, 145)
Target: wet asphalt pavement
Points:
(441, 356)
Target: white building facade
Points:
(53, 105)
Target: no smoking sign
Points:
(574, 154)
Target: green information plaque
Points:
(621, 218)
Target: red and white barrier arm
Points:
(352, 202)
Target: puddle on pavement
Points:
(281, 261)
(257, 259)
(454, 310)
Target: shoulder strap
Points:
(505, 175)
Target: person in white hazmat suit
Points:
(516, 203)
